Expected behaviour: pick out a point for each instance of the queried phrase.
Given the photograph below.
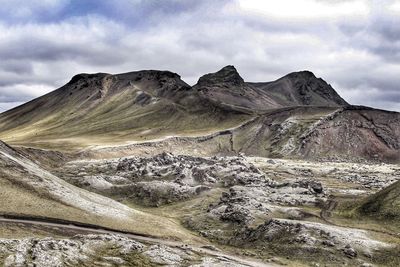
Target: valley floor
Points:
(224, 211)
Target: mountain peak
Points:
(306, 84)
(86, 76)
(226, 75)
(303, 74)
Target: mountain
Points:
(298, 115)
(227, 88)
(223, 168)
(351, 133)
(301, 89)
(114, 107)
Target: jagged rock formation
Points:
(305, 236)
(159, 180)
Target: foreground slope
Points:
(383, 205)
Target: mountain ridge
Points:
(149, 105)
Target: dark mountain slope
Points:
(227, 88)
(86, 92)
(121, 107)
(301, 89)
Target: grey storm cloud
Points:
(354, 45)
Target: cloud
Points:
(354, 45)
(305, 9)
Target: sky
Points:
(352, 44)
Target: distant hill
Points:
(295, 89)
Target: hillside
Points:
(301, 89)
(96, 108)
(350, 133)
(30, 190)
(383, 205)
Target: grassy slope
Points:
(27, 193)
(383, 205)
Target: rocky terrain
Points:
(102, 250)
(142, 169)
(263, 205)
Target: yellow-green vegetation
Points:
(17, 200)
(379, 211)
(384, 205)
(27, 189)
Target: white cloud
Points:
(305, 9)
(394, 7)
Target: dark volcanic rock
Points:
(227, 76)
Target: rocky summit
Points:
(143, 169)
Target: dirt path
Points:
(147, 239)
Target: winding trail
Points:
(70, 225)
